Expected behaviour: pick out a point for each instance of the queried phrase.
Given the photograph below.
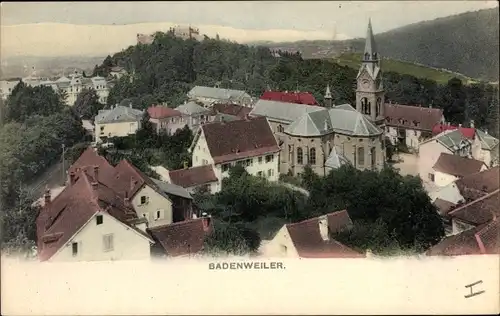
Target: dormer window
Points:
(98, 219)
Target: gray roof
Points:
(219, 117)
(191, 108)
(282, 111)
(217, 93)
(452, 139)
(488, 142)
(118, 114)
(172, 189)
(343, 119)
(336, 159)
(370, 46)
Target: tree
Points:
(87, 104)
(231, 239)
(309, 178)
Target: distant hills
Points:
(466, 43)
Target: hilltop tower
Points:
(370, 90)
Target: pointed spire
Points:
(370, 46)
(328, 94)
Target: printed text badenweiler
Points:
(246, 265)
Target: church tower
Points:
(328, 97)
(370, 89)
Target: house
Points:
(195, 178)
(249, 142)
(483, 239)
(181, 239)
(210, 95)
(449, 168)
(450, 142)
(117, 72)
(88, 221)
(290, 97)
(159, 202)
(194, 114)
(120, 121)
(476, 185)
(229, 112)
(410, 125)
(167, 119)
(312, 239)
(489, 148)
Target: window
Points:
(373, 157)
(259, 174)
(98, 219)
(196, 158)
(431, 177)
(269, 158)
(158, 214)
(260, 160)
(361, 156)
(102, 129)
(300, 157)
(225, 167)
(145, 215)
(283, 249)
(378, 107)
(74, 249)
(312, 156)
(143, 199)
(250, 162)
(107, 241)
(205, 162)
(270, 172)
(280, 129)
(365, 106)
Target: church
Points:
(328, 137)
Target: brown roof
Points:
(414, 117)
(90, 158)
(194, 176)
(456, 165)
(239, 139)
(182, 238)
(476, 185)
(309, 243)
(483, 239)
(443, 206)
(160, 112)
(231, 109)
(479, 211)
(59, 220)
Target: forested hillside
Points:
(467, 43)
(167, 69)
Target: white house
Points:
(119, 121)
(210, 95)
(450, 142)
(489, 148)
(311, 239)
(449, 168)
(88, 222)
(410, 125)
(249, 142)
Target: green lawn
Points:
(353, 60)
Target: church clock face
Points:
(365, 83)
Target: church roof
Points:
(282, 111)
(370, 46)
(336, 159)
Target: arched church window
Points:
(361, 156)
(300, 156)
(364, 106)
(312, 156)
(374, 55)
(378, 107)
(367, 56)
(280, 129)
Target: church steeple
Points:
(370, 53)
(328, 97)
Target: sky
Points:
(26, 25)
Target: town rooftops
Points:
(217, 93)
(191, 177)
(453, 140)
(483, 239)
(412, 117)
(250, 137)
(90, 159)
(443, 206)
(488, 142)
(291, 97)
(191, 108)
(284, 112)
(161, 112)
(479, 184)
(479, 211)
(173, 189)
(182, 238)
(118, 114)
(234, 110)
(311, 239)
(467, 132)
(343, 119)
(456, 165)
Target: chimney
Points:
(96, 173)
(72, 177)
(126, 196)
(94, 185)
(206, 221)
(47, 197)
(472, 123)
(132, 183)
(323, 228)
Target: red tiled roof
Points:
(414, 117)
(231, 109)
(182, 238)
(87, 160)
(160, 112)
(307, 239)
(444, 207)
(73, 208)
(290, 97)
(129, 179)
(239, 139)
(479, 211)
(478, 184)
(457, 165)
(194, 176)
(466, 131)
(484, 239)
